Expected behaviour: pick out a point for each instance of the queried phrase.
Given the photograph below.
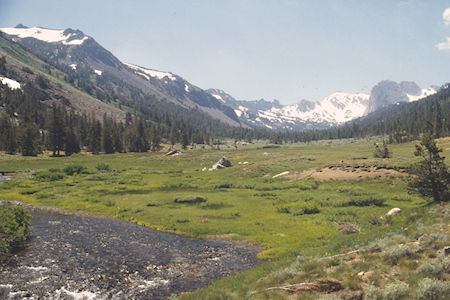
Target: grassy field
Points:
(286, 218)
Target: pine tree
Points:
(142, 140)
(184, 140)
(437, 124)
(107, 136)
(83, 130)
(118, 137)
(432, 176)
(95, 137)
(72, 144)
(155, 135)
(172, 137)
(57, 131)
(29, 138)
(8, 141)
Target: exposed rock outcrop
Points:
(221, 164)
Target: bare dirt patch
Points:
(345, 172)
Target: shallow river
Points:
(81, 257)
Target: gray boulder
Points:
(224, 162)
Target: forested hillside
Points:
(53, 110)
(62, 111)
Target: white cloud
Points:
(444, 45)
(446, 16)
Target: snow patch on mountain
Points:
(153, 73)
(12, 84)
(46, 35)
(218, 97)
(424, 93)
(334, 109)
(241, 111)
(73, 66)
(238, 112)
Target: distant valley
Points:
(80, 55)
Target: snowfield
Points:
(44, 34)
(153, 73)
(12, 84)
(425, 93)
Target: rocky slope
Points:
(80, 55)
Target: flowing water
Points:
(83, 257)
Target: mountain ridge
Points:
(335, 109)
(80, 55)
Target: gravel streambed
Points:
(83, 257)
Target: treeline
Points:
(29, 125)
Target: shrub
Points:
(316, 185)
(283, 210)
(374, 220)
(348, 228)
(74, 169)
(298, 209)
(109, 203)
(381, 244)
(223, 186)
(49, 176)
(372, 293)
(29, 192)
(435, 237)
(394, 291)
(189, 200)
(306, 210)
(14, 228)
(182, 221)
(102, 167)
(365, 202)
(381, 151)
(92, 200)
(432, 289)
(396, 253)
(214, 205)
(434, 268)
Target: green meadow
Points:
(285, 218)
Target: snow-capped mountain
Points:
(66, 37)
(80, 55)
(388, 92)
(334, 109)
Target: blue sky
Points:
(280, 49)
